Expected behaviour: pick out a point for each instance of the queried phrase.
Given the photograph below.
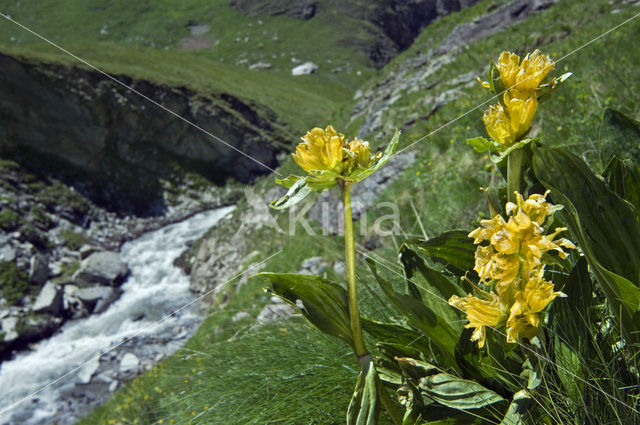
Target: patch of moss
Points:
(9, 219)
(13, 282)
(73, 240)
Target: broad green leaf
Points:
(364, 408)
(623, 177)
(361, 174)
(604, 224)
(480, 144)
(324, 302)
(413, 263)
(453, 248)
(446, 389)
(620, 135)
(422, 318)
(394, 334)
(518, 408)
(296, 194)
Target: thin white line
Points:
(501, 93)
(153, 325)
(138, 93)
(503, 334)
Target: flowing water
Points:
(155, 288)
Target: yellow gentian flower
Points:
(521, 107)
(481, 313)
(515, 246)
(523, 318)
(498, 125)
(321, 150)
(527, 75)
(361, 153)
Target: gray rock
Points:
(104, 268)
(260, 66)
(304, 69)
(7, 253)
(9, 328)
(340, 268)
(97, 298)
(129, 363)
(38, 269)
(240, 316)
(313, 266)
(272, 312)
(87, 250)
(87, 371)
(49, 299)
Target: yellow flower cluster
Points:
(327, 150)
(511, 263)
(507, 122)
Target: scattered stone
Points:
(38, 269)
(9, 328)
(340, 268)
(260, 66)
(240, 316)
(199, 29)
(50, 299)
(87, 250)
(313, 266)
(129, 363)
(304, 69)
(98, 298)
(87, 371)
(7, 253)
(104, 268)
(272, 312)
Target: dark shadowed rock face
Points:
(79, 119)
(392, 24)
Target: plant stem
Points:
(350, 256)
(514, 173)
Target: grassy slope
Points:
(143, 38)
(291, 374)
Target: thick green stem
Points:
(514, 174)
(350, 256)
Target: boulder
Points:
(97, 298)
(7, 253)
(88, 370)
(304, 69)
(49, 299)
(129, 363)
(38, 269)
(103, 268)
(87, 250)
(9, 328)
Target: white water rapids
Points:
(155, 288)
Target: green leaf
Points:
(446, 389)
(620, 135)
(364, 408)
(605, 226)
(422, 318)
(324, 302)
(518, 408)
(623, 177)
(480, 144)
(453, 248)
(413, 263)
(504, 153)
(296, 194)
(361, 174)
